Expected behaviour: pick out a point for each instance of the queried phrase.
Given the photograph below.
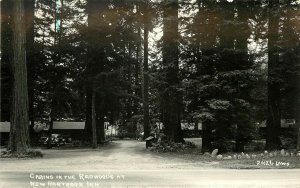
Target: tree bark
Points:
(241, 47)
(206, 137)
(95, 61)
(19, 136)
(137, 72)
(274, 99)
(298, 140)
(100, 118)
(172, 99)
(94, 128)
(87, 136)
(145, 74)
(29, 16)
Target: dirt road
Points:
(128, 164)
(118, 155)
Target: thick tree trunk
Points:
(274, 99)
(241, 47)
(19, 136)
(52, 116)
(239, 145)
(49, 143)
(91, 70)
(172, 99)
(138, 65)
(29, 16)
(145, 74)
(298, 141)
(129, 104)
(201, 51)
(137, 68)
(87, 136)
(100, 118)
(94, 128)
(95, 64)
(298, 117)
(206, 140)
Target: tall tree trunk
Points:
(172, 99)
(203, 50)
(94, 128)
(206, 137)
(298, 140)
(274, 99)
(129, 104)
(29, 16)
(19, 136)
(50, 130)
(145, 74)
(241, 50)
(137, 72)
(95, 62)
(52, 117)
(92, 15)
(100, 118)
(87, 136)
(56, 57)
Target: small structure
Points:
(73, 130)
(191, 129)
(4, 132)
(285, 123)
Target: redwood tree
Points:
(31, 63)
(171, 98)
(274, 98)
(19, 137)
(145, 73)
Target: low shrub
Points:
(166, 146)
(30, 153)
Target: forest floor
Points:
(131, 164)
(130, 154)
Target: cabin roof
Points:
(5, 126)
(68, 125)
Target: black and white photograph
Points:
(150, 93)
